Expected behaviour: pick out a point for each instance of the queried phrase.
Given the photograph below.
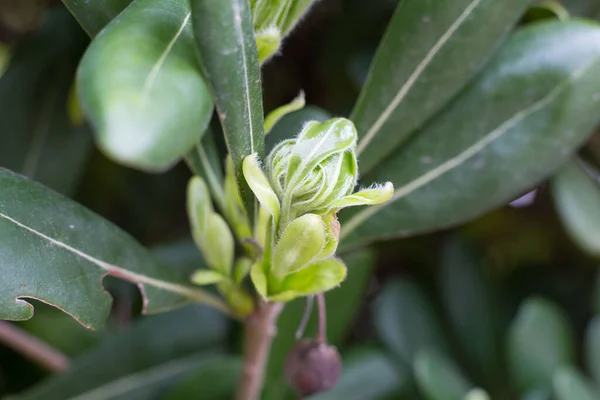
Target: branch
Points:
(260, 330)
(32, 348)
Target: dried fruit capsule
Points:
(313, 366)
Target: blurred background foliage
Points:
(507, 302)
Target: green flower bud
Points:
(314, 170)
(209, 229)
(308, 180)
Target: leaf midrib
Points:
(149, 82)
(464, 156)
(385, 115)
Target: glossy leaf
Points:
(95, 15)
(539, 343)
(140, 84)
(534, 104)
(343, 305)
(570, 384)
(367, 374)
(438, 377)
(421, 63)
(406, 322)
(57, 251)
(225, 39)
(592, 349)
(38, 140)
(469, 305)
(215, 381)
(577, 197)
(142, 361)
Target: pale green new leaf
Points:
(366, 197)
(299, 244)
(267, 44)
(140, 85)
(260, 186)
(199, 207)
(274, 116)
(218, 247)
(321, 276)
(208, 277)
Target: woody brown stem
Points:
(32, 348)
(260, 330)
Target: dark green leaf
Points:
(577, 198)
(584, 8)
(215, 381)
(366, 374)
(469, 306)
(537, 394)
(38, 139)
(95, 15)
(225, 38)
(545, 9)
(570, 384)
(142, 361)
(535, 103)
(57, 251)
(438, 377)
(592, 349)
(140, 85)
(406, 321)
(429, 52)
(539, 343)
(342, 306)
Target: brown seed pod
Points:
(312, 366)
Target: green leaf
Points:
(142, 361)
(367, 374)
(320, 276)
(260, 186)
(275, 116)
(225, 38)
(470, 308)
(141, 86)
(366, 197)
(406, 322)
(215, 381)
(421, 63)
(300, 243)
(592, 349)
(204, 161)
(291, 124)
(535, 103)
(208, 277)
(38, 140)
(545, 9)
(95, 15)
(343, 304)
(267, 43)
(540, 341)
(577, 197)
(570, 384)
(438, 377)
(57, 251)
